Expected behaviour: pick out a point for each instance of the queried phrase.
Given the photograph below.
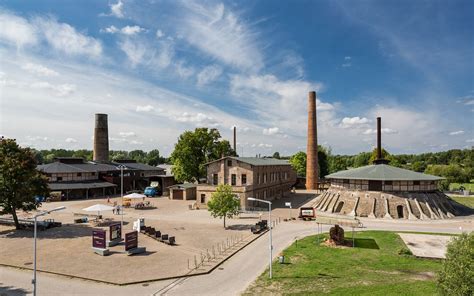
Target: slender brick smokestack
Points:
(380, 159)
(312, 147)
(101, 138)
(235, 139)
(379, 138)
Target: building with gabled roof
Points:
(263, 178)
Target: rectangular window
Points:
(233, 180)
(229, 162)
(244, 179)
(416, 182)
(79, 174)
(265, 178)
(258, 178)
(215, 179)
(93, 174)
(59, 178)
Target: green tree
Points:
(194, 149)
(118, 155)
(373, 155)
(362, 159)
(457, 275)
(276, 155)
(323, 163)
(298, 162)
(153, 157)
(223, 203)
(19, 179)
(418, 166)
(137, 155)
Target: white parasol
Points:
(135, 196)
(98, 208)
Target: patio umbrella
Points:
(135, 196)
(98, 208)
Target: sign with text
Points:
(98, 238)
(115, 231)
(131, 240)
(307, 213)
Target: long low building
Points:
(76, 178)
(262, 178)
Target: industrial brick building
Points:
(263, 178)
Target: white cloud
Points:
(16, 30)
(455, 133)
(70, 140)
(127, 134)
(127, 30)
(39, 70)
(346, 65)
(384, 131)
(135, 51)
(208, 74)
(111, 30)
(197, 118)
(146, 108)
(59, 90)
(470, 141)
(271, 131)
(117, 9)
(265, 145)
(66, 39)
(357, 121)
(347, 58)
(159, 34)
(183, 71)
(220, 33)
(466, 100)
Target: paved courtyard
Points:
(67, 249)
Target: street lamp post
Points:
(121, 167)
(270, 221)
(34, 248)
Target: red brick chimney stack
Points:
(312, 147)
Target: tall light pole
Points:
(34, 248)
(270, 221)
(121, 167)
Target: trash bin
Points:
(281, 259)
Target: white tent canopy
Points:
(98, 208)
(135, 195)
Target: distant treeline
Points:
(456, 165)
(152, 158)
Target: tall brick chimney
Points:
(235, 139)
(101, 138)
(380, 159)
(312, 147)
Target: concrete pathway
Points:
(426, 245)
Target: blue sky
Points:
(161, 67)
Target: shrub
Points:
(457, 274)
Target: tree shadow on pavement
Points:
(65, 231)
(12, 291)
(239, 227)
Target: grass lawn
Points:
(468, 186)
(374, 267)
(468, 201)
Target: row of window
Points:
(273, 177)
(233, 179)
(395, 183)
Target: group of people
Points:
(117, 209)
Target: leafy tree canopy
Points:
(457, 275)
(223, 203)
(196, 148)
(20, 182)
